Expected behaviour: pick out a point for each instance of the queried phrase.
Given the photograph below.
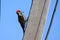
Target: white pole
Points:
(36, 20)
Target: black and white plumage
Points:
(21, 19)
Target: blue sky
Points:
(54, 32)
(10, 28)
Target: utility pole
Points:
(37, 20)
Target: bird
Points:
(21, 19)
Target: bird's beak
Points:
(19, 13)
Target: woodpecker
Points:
(21, 19)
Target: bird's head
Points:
(19, 12)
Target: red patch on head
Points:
(18, 11)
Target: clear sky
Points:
(10, 28)
(54, 32)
